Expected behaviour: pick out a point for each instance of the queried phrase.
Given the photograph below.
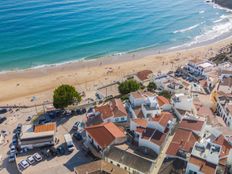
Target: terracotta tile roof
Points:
(104, 134)
(205, 167)
(118, 108)
(183, 140)
(138, 112)
(45, 127)
(163, 118)
(195, 125)
(144, 75)
(140, 122)
(162, 100)
(140, 130)
(105, 111)
(204, 111)
(225, 145)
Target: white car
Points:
(24, 164)
(75, 126)
(12, 149)
(30, 160)
(11, 157)
(37, 157)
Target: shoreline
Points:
(20, 86)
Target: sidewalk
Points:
(161, 157)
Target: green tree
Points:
(166, 94)
(128, 86)
(151, 86)
(65, 95)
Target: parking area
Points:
(53, 159)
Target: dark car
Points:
(53, 151)
(81, 111)
(19, 126)
(2, 119)
(77, 136)
(3, 110)
(61, 150)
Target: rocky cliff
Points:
(224, 3)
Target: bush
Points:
(166, 94)
(151, 86)
(128, 86)
(65, 95)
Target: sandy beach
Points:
(18, 87)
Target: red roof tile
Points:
(118, 108)
(143, 75)
(140, 122)
(225, 145)
(162, 100)
(163, 118)
(205, 167)
(195, 125)
(105, 111)
(184, 140)
(45, 127)
(104, 134)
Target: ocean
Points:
(43, 32)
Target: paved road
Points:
(161, 157)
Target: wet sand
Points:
(18, 87)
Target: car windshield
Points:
(70, 146)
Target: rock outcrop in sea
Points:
(224, 3)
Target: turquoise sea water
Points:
(39, 32)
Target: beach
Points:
(18, 87)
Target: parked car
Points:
(19, 126)
(30, 160)
(61, 150)
(4, 132)
(29, 118)
(37, 157)
(24, 164)
(12, 149)
(14, 142)
(53, 151)
(11, 157)
(3, 110)
(2, 119)
(77, 136)
(75, 126)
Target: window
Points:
(118, 165)
(125, 168)
(111, 162)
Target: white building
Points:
(103, 135)
(152, 133)
(38, 136)
(199, 68)
(224, 109)
(204, 158)
(114, 111)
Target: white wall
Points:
(155, 125)
(136, 101)
(192, 167)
